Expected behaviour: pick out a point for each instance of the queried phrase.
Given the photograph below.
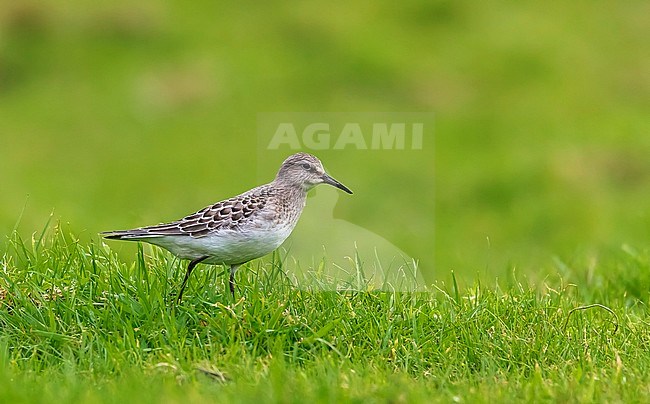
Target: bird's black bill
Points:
(331, 181)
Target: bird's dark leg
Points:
(190, 267)
(233, 269)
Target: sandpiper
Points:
(242, 228)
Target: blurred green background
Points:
(120, 114)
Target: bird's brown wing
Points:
(227, 214)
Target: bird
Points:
(237, 230)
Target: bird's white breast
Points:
(227, 246)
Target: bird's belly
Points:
(227, 246)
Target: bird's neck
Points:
(292, 188)
(290, 199)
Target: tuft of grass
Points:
(76, 323)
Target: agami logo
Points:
(349, 135)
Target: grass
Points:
(78, 323)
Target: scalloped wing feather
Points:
(228, 214)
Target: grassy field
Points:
(79, 324)
(529, 198)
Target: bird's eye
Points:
(306, 166)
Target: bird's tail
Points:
(134, 234)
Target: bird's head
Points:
(306, 171)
